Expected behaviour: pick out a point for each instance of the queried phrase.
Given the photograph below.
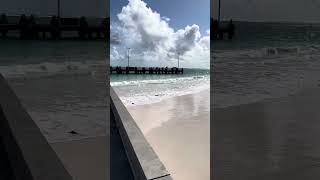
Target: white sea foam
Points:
(51, 68)
(139, 92)
(266, 53)
(267, 73)
(155, 81)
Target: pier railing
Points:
(27, 154)
(143, 161)
(145, 70)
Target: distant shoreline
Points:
(270, 22)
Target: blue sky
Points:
(160, 31)
(180, 12)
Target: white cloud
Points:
(205, 41)
(208, 32)
(115, 55)
(166, 18)
(154, 41)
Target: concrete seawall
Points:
(27, 153)
(144, 163)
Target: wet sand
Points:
(273, 139)
(179, 131)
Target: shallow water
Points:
(147, 89)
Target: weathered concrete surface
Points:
(144, 162)
(85, 159)
(30, 155)
(120, 167)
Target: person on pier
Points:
(55, 27)
(231, 28)
(83, 32)
(3, 19)
(105, 27)
(215, 29)
(32, 32)
(23, 26)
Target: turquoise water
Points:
(145, 89)
(137, 77)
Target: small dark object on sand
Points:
(73, 132)
(132, 103)
(156, 95)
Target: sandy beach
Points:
(272, 139)
(179, 131)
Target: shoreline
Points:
(132, 108)
(168, 98)
(135, 90)
(157, 95)
(170, 125)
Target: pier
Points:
(31, 27)
(145, 70)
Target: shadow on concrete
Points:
(6, 171)
(120, 167)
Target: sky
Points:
(269, 10)
(181, 12)
(69, 8)
(159, 32)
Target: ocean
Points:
(264, 61)
(147, 89)
(62, 84)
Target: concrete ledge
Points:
(144, 162)
(29, 154)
